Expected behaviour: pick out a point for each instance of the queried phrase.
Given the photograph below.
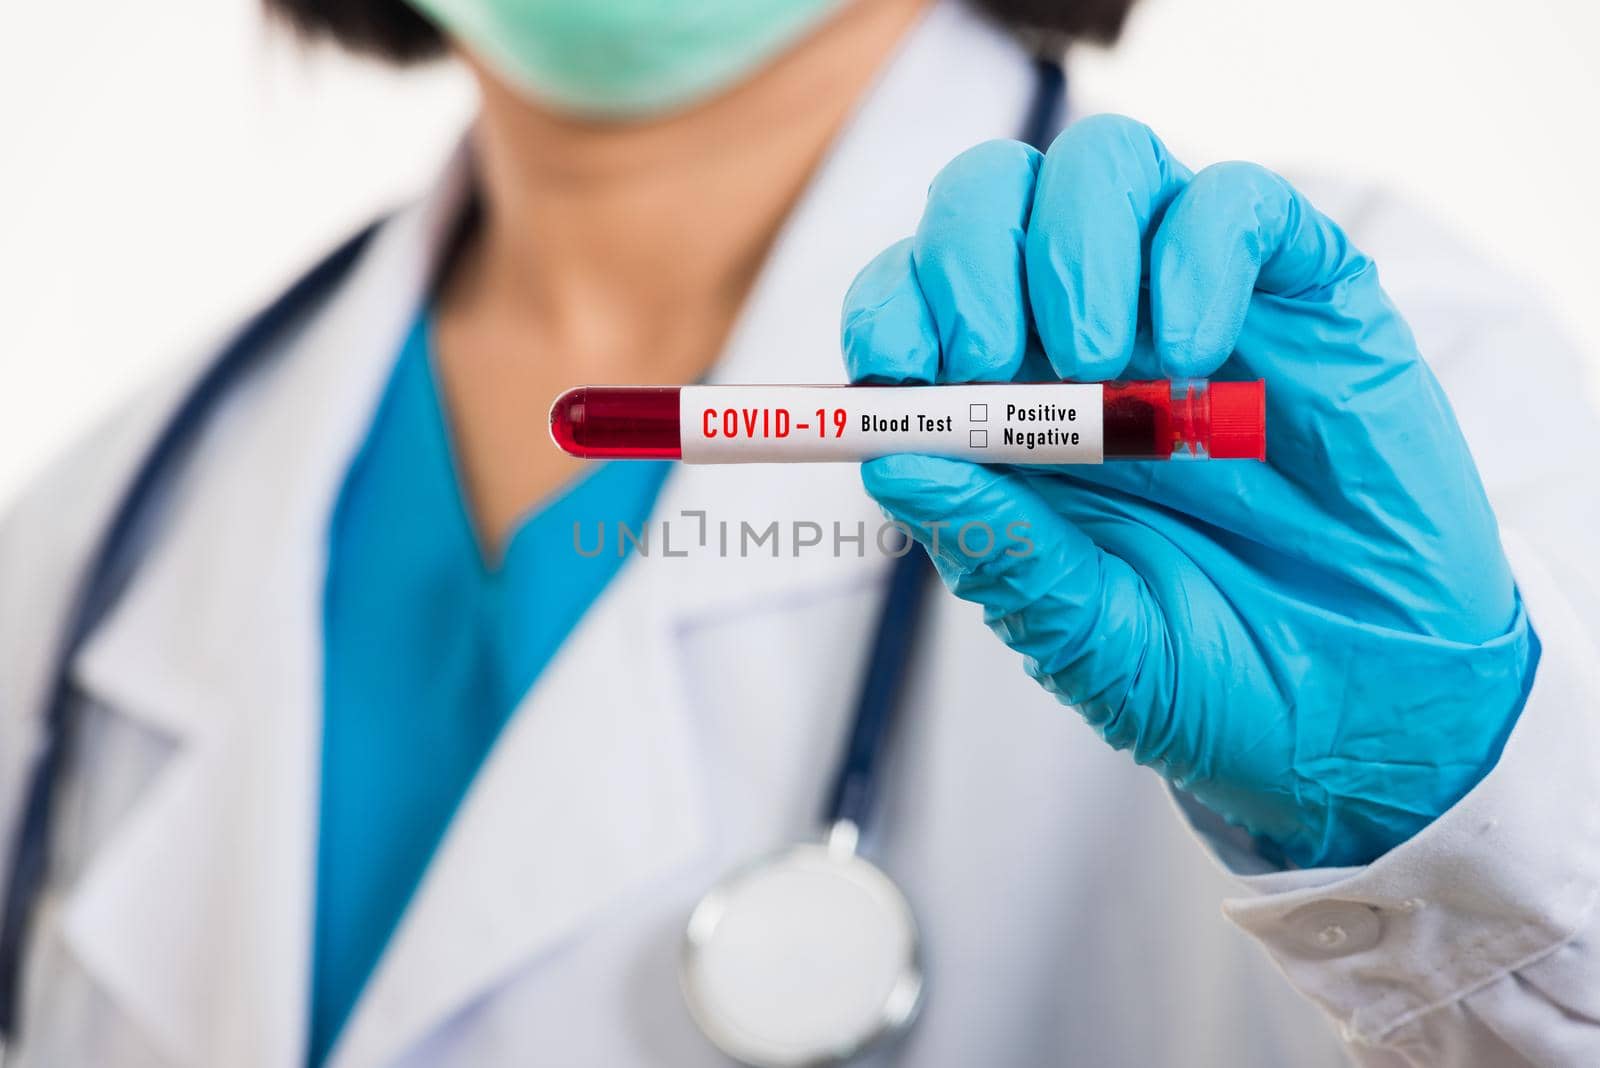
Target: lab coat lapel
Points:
(195, 916)
(588, 796)
(592, 793)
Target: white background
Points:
(164, 166)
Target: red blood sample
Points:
(1158, 420)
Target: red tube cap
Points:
(1239, 420)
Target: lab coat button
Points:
(1336, 928)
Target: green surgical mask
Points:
(624, 58)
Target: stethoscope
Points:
(807, 957)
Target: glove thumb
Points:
(1082, 619)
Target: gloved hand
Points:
(1326, 649)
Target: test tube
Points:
(1030, 423)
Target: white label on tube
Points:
(1045, 423)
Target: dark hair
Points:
(394, 30)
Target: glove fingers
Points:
(887, 333)
(1083, 620)
(1102, 188)
(968, 259)
(1235, 229)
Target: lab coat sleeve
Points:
(1477, 942)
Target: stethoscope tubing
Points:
(854, 794)
(112, 564)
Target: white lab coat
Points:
(1071, 915)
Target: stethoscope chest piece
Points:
(804, 958)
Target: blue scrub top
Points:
(427, 652)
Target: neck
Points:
(614, 252)
(626, 248)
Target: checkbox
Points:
(978, 413)
(979, 439)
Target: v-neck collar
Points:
(536, 587)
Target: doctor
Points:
(367, 766)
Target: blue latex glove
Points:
(1326, 649)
